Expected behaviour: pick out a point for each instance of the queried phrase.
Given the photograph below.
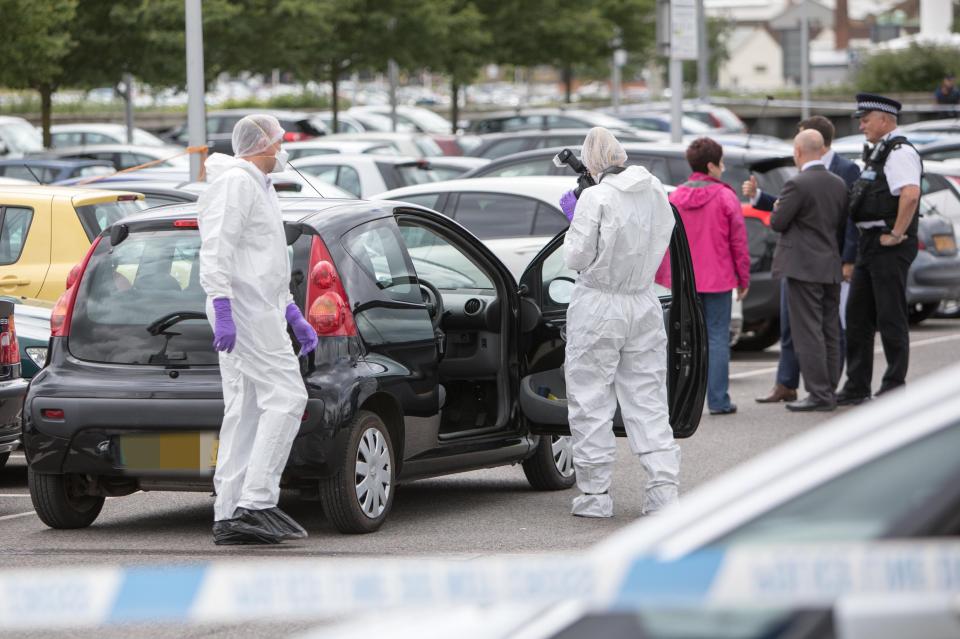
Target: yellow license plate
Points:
(191, 451)
(944, 243)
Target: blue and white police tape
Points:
(281, 589)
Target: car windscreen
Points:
(867, 502)
(410, 174)
(96, 217)
(428, 147)
(149, 276)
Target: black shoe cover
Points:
(284, 524)
(237, 532)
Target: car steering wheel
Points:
(433, 301)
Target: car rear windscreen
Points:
(141, 302)
(96, 217)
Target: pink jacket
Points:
(713, 220)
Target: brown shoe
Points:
(780, 393)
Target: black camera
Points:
(584, 181)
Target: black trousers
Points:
(815, 325)
(878, 301)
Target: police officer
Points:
(883, 205)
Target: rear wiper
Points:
(160, 325)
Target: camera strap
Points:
(613, 170)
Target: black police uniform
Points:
(878, 291)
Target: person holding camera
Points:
(616, 342)
(717, 235)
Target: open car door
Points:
(542, 387)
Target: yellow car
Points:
(46, 230)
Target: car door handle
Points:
(13, 280)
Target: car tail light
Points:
(921, 246)
(9, 349)
(127, 198)
(186, 224)
(715, 121)
(328, 309)
(53, 413)
(295, 136)
(63, 310)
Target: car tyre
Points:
(551, 465)
(358, 498)
(919, 312)
(58, 501)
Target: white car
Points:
(125, 156)
(420, 119)
(416, 145)
(326, 146)
(515, 217)
(18, 138)
(82, 135)
(366, 175)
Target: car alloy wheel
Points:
(372, 473)
(563, 454)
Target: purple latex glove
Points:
(568, 202)
(302, 329)
(224, 330)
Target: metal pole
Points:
(393, 72)
(804, 61)
(196, 116)
(128, 106)
(703, 59)
(615, 83)
(676, 100)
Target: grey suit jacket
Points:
(809, 214)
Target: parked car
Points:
(124, 156)
(449, 167)
(515, 217)
(418, 119)
(645, 121)
(426, 346)
(411, 144)
(299, 126)
(93, 133)
(49, 171)
(945, 126)
(326, 146)
(497, 145)
(13, 387)
(46, 230)
(718, 118)
(946, 148)
(367, 175)
(18, 137)
(544, 119)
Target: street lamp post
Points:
(196, 116)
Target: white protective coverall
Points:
(243, 257)
(616, 341)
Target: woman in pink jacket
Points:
(713, 220)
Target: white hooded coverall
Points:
(616, 341)
(243, 257)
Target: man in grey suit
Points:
(809, 215)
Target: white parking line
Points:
(5, 517)
(876, 351)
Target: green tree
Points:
(35, 44)
(918, 68)
(461, 47)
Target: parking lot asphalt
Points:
(465, 516)
(469, 514)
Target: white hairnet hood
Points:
(254, 134)
(601, 150)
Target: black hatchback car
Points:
(432, 360)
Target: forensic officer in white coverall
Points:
(245, 271)
(616, 342)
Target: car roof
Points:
(280, 114)
(544, 188)
(116, 148)
(89, 126)
(347, 212)
(326, 143)
(349, 158)
(12, 119)
(72, 192)
(55, 162)
(376, 135)
(653, 148)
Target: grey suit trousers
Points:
(815, 323)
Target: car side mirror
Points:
(530, 315)
(560, 290)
